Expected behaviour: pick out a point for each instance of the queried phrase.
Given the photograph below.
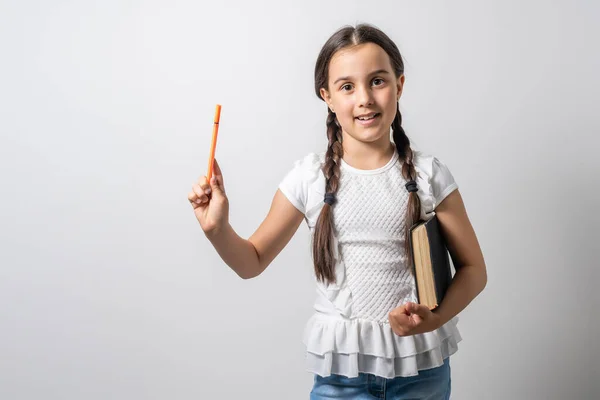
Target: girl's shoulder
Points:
(435, 180)
(422, 159)
(428, 164)
(304, 183)
(308, 166)
(312, 160)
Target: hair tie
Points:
(329, 198)
(411, 186)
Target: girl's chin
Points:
(369, 136)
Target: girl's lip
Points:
(370, 121)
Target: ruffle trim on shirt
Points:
(347, 347)
(351, 365)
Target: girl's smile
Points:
(363, 92)
(367, 120)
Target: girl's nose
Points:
(364, 97)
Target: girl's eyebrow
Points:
(347, 78)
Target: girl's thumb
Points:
(214, 185)
(419, 309)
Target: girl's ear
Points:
(399, 86)
(325, 96)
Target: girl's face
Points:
(363, 92)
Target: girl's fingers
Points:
(194, 198)
(201, 195)
(204, 185)
(198, 190)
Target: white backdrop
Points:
(108, 287)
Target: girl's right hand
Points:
(210, 202)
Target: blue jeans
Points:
(430, 384)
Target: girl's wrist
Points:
(216, 232)
(440, 317)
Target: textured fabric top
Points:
(350, 332)
(369, 219)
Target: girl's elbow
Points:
(246, 276)
(251, 273)
(483, 277)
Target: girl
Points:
(368, 338)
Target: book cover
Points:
(430, 262)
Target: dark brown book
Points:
(431, 262)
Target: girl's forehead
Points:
(359, 60)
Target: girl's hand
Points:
(412, 318)
(210, 203)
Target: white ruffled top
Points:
(337, 340)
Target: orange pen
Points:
(213, 145)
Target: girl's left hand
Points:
(412, 318)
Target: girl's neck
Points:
(366, 156)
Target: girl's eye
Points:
(346, 87)
(378, 81)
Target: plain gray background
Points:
(108, 287)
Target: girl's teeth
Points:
(366, 119)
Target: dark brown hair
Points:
(322, 243)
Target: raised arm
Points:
(248, 258)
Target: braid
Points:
(409, 173)
(334, 154)
(322, 246)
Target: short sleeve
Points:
(294, 187)
(442, 181)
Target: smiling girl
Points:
(368, 337)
